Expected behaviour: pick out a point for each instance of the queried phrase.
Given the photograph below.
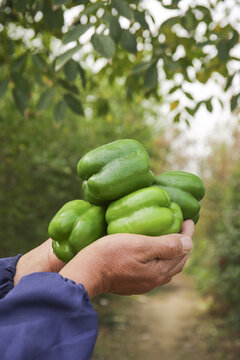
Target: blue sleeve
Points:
(7, 273)
(46, 316)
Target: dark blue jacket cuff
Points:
(7, 273)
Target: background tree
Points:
(215, 263)
(43, 59)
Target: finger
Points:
(188, 228)
(168, 265)
(161, 267)
(178, 268)
(166, 281)
(167, 247)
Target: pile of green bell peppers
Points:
(123, 196)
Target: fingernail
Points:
(186, 242)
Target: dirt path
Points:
(167, 317)
(147, 326)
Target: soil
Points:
(169, 323)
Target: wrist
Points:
(84, 269)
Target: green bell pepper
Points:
(76, 225)
(185, 189)
(147, 211)
(114, 170)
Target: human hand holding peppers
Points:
(127, 264)
(120, 263)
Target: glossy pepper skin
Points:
(147, 211)
(76, 225)
(114, 170)
(185, 189)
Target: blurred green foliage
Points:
(215, 263)
(123, 40)
(39, 156)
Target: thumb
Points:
(169, 246)
(188, 228)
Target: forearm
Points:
(85, 269)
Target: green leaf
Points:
(19, 63)
(174, 105)
(229, 82)
(20, 81)
(82, 75)
(104, 45)
(114, 26)
(176, 118)
(188, 95)
(9, 47)
(3, 87)
(128, 41)
(92, 8)
(45, 99)
(38, 61)
(140, 18)
(189, 22)
(205, 11)
(123, 8)
(209, 105)
(74, 104)
(115, 29)
(151, 77)
(102, 106)
(198, 106)
(141, 67)
(202, 76)
(75, 32)
(52, 18)
(234, 101)
(234, 40)
(223, 50)
(169, 23)
(60, 110)
(173, 5)
(71, 69)
(174, 88)
(68, 86)
(63, 58)
(21, 99)
(220, 102)
(191, 111)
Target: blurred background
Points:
(78, 74)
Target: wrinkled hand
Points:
(128, 264)
(41, 258)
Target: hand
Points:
(42, 258)
(129, 264)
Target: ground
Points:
(170, 323)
